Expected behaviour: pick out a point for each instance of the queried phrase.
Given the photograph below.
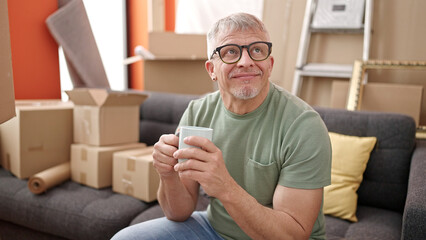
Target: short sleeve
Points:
(307, 153)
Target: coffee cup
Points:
(186, 131)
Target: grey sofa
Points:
(392, 196)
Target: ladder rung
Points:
(327, 70)
(337, 30)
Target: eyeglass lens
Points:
(232, 53)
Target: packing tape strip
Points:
(86, 124)
(83, 156)
(131, 164)
(127, 184)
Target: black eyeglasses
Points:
(231, 53)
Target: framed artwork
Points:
(359, 71)
(356, 85)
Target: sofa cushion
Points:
(69, 210)
(156, 120)
(385, 179)
(374, 223)
(349, 160)
(10, 231)
(414, 217)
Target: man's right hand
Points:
(163, 155)
(178, 198)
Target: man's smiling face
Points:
(247, 78)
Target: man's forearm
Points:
(174, 198)
(258, 221)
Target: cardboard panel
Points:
(179, 76)
(10, 147)
(124, 98)
(178, 46)
(86, 96)
(102, 97)
(92, 165)
(383, 97)
(339, 94)
(398, 98)
(119, 124)
(156, 15)
(7, 94)
(38, 138)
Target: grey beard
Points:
(245, 93)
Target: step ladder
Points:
(304, 69)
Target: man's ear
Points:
(210, 69)
(271, 58)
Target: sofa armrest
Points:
(414, 217)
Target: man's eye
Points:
(257, 50)
(232, 51)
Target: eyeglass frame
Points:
(217, 50)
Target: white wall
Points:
(196, 16)
(108, 23)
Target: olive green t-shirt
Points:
(284, 141)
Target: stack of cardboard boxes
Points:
(100, 126)
(106, 124)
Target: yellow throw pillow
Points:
(350, 155)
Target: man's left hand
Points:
(205, 165)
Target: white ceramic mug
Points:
(186, 131)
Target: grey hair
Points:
(232, 23)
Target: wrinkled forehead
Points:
(230, 35)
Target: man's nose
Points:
(245, 58)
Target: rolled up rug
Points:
(71, 29)
(49, 178)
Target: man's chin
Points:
(245, 93)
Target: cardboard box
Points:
(92, 165)
(382, 97)
(135, 175)
(169, 45)
(7, 93)
(183, 56)
(39, 137)
(177, 76)
(177, 65)
(103, 117)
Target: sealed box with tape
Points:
(135, 175)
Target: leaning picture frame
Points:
(357, 81)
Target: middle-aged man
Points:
(267, 164)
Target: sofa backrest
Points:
(385, 179)
(160, 114)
